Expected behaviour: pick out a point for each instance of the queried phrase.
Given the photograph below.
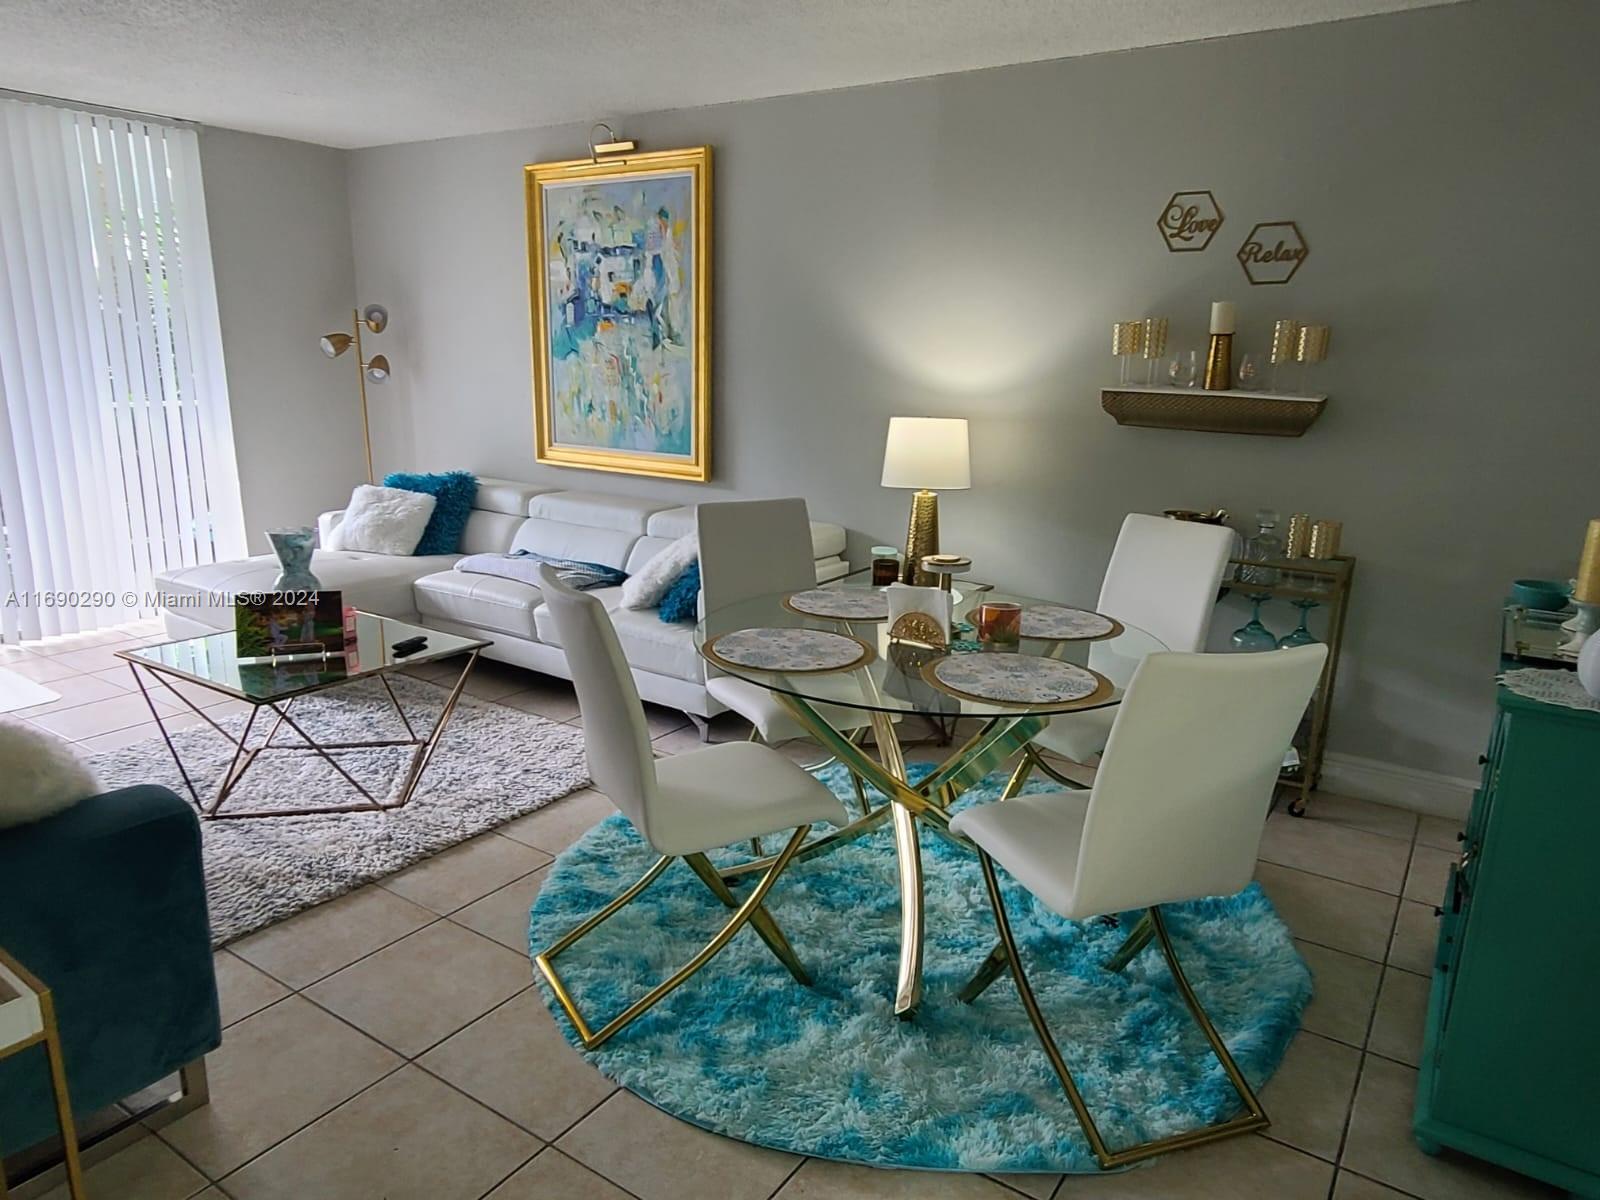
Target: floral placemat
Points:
(841, 604)
(1550, 687)
(1060, 623)
(791, 651)
(1022, 679)
(1057, 622)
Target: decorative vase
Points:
(1589, 667)
(293, 548)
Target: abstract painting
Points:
(618, 268)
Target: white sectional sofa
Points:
(619, 531)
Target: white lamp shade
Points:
(927, 452)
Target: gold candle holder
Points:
(1155, 346)
(1311, 344)
(1127, 338)
(1587, 590)
(1297, 538)
(1324, 541)
(1285, 335)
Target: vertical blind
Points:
(116, 447)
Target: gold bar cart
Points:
(1327, 581)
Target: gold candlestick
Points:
(1588, 589)
(1219, 363)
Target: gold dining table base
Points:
(927, 802)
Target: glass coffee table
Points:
(213, 662)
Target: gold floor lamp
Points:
(375, 317)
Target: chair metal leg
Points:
(1019, 777)
(1255, 1116)
(1063, 780)
(1136, 941)
(742, 915)
(761, 920)
(993, 967)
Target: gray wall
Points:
(280, 241)
(961, 245)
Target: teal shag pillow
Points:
(453, 493)
(683, 597)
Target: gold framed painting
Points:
(619, 277)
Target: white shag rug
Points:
(492, 764)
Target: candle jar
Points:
(1000, 624)
(885, 565)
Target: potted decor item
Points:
(293, 548)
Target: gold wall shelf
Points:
(1272, 414)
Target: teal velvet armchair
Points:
(105, 903)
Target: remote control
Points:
(409, 646)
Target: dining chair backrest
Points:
(1187, 777)
(751, 548)
(615, 736)
(1163, 577)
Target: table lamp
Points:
(930, 455)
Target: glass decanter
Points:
(1262, 547)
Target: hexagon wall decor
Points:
(1189, 221)
(1272, 252)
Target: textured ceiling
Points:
(368, 72)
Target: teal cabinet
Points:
(1511, 1056)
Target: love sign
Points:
(1189, 221)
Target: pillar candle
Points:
(1221, 316)
(1588, 589)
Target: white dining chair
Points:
(751, 548)
(682, 805)
(1175, 813)
(1163, 578)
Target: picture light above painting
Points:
(619, 278)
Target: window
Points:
(116, 447)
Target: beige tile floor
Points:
(390, 1044)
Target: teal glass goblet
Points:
(1300, 635)
(1254, 636)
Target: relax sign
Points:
(1272, 252)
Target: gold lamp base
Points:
(922, 537)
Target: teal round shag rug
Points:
(743, 1050)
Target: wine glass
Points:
(1300, 635)
(1254, 636)
(1249, 372)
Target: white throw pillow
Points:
(645, 587)
(43, 776)
(382, 520)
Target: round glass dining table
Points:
(890, 679)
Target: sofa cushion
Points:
(452, 492)
(383, 520)
(671, 523)
(379, 583)
(490, 532)
(482, 601)
(600, 510)
(643, 551)
(505, 496)
(560, 539)
(827, 539)
(648, 643)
